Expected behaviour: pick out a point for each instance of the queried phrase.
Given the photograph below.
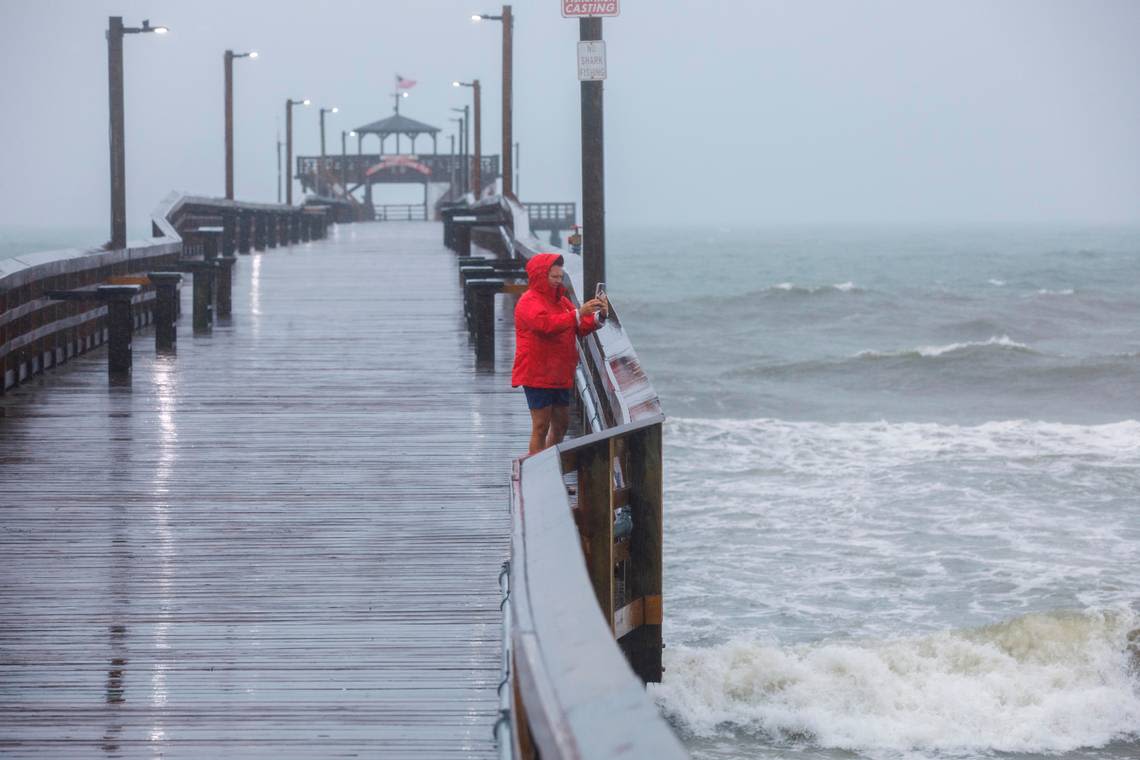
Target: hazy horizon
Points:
(757, 114)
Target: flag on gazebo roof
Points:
(404, 84)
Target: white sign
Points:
(579, 8)
(591, 61)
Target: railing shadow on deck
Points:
(38, 331)
(572, 693)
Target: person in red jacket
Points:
(546, 349)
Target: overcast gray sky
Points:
(717, 111)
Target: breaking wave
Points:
(1039, 683)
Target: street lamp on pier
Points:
(461, 122)
(289, 146)
(229, 59)
(477, 174)
(508, 20)
(115, 33)
(344, 135)
(321, 173)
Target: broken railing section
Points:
(58, 304)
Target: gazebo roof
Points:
(397, 125)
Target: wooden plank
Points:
(629, 617)
(284, 541)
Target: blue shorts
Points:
(540, 398)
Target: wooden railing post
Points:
(120, 327)
(462, 237)
(595, 504)
(224, 284)
(245, 232)
(261, 231)
(230, 221)
(165, 309)
(642, 646)
(481, 297)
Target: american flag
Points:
(404, 84)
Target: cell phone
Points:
(600, 292)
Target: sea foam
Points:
(1037, 683)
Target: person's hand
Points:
(592, 306)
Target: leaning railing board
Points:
(574, 689)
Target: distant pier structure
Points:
(444, 177)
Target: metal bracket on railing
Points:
(586, 393)
(504, 720)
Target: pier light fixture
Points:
(229, 91)
(344, 135)
(118, 152)
(145, 28)
(506, 158)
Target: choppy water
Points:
(903, 481)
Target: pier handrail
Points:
(577, 677)
(574, 694)
(38, 332)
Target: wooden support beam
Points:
(643, 646)
(595, 482)
(644, 610)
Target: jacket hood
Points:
(538, 272)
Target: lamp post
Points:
(458, 161)
(451, 164)
(115, 32)
(334, 109)
(593, 171)
(477, 174)
(229, 57)
(289, 146)
(279, 164)
(464, 143)
(344, 160)
(508, 20)
(321, 171)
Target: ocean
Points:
(902, 487)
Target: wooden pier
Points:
(304, 528)
(284, 541)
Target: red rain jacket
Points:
(546, 327)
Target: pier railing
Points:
(55, 305)
(573, 694)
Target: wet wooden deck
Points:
(284, 542)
